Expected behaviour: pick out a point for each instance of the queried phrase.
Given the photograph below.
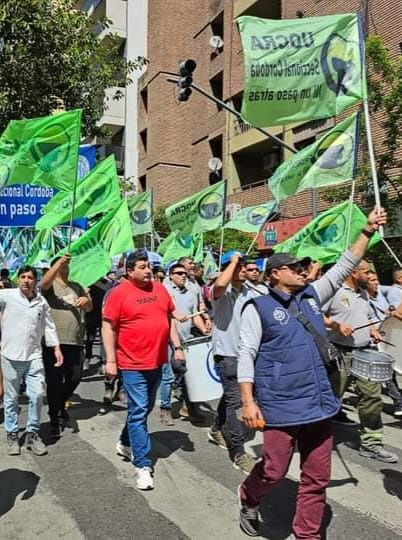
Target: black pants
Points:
(92, 328)
(61, 381)
(393, 391)
(229, 405)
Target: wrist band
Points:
(368, 233)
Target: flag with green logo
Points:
(330, 160)
(300, 69)
(251, 219)
(204, 211)
(210, 265)
(97, 193)
(42, 248)
(41, 151)
(141, 213)
(92, 252)
(176, 246)
(324, 238)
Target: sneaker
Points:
(377, 451)
(108, 396)
(166, 417)
(342, 419)
(216, 437)
(86, 364)
(34, 443)
(121, 395)
(144, 478)
(249, 521)
(13, 446)
(184, 411)
(124, 451)
(101, 369)
(244, 463)
(398, 410)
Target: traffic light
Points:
(186, 68)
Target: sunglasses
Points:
(297, 268)
(179, 274)
(252, 269)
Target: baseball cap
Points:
(284, 259)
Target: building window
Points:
(215, 163)
(216, 40)
(143, 182)
(144, 98)
(217, 87)
(271, 9)
(144, 138)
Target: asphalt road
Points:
(83, 490)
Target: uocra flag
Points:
(251, 219)
(329, 161)
(324, 238)
(41, 151)
(97, 193)
(204, 211)
(301, 69)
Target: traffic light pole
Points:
(233, 111)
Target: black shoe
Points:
(398, 410)
(64, 415)
(55, 430)
(343, 420)
(249, 521)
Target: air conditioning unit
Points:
(232, 209)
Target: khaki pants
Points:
(369, 406)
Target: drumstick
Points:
(386, 342)
(366, 325)
(195, 314)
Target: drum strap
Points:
(329, 353)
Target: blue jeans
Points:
(13, 373)
(166, 386)
(140, 388)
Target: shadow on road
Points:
(12, 483)
(392, 482)
(165, 443)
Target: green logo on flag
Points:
(51, 147)
(257, 215)
(185, 241)
(334, 150)
(329, 229)
(141, 213)
(210, 206)
(340, 72)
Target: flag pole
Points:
(70, 232)
(152, 221)
(267, 220)
(391, 252)
(223, 222)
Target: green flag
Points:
(203, 211)
(251, 219)
(330, 160)
(42, 248)
(41, 151)
(301, 69)
(323, 239)
(210, 265)
(97, 193)
(176, 246)
(141, 213)
(92, 252)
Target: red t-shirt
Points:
(141, 320)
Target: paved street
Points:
(82, 489)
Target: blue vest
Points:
(290, 379)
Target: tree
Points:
(50, 58)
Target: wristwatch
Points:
(368, 233)
(178, 348)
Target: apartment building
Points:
(129, 22)
(178, 139)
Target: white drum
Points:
(202, 379)
(391, 330)
(371, 365)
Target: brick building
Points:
(177, 139)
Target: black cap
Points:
(284, 259)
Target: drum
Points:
(391, 330)
(202, 380)
(371, 365)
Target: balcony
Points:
(115, 112)
(243, 135)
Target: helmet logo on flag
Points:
(335, 150)
(141, 213)
(339, 64)
(210, 206)
(51, 147)
(329, 229)
(256, 216)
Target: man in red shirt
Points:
(137, 327)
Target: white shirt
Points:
(23, 324)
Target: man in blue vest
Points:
(284, 383)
